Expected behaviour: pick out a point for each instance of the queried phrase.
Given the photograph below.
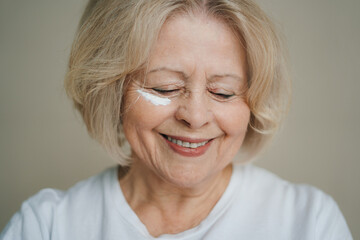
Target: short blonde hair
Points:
(114, 40)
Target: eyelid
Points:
(164, 90)
(221, 91)
(161, 81)
(222, 96)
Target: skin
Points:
(195, 60)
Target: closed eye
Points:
(222, 95)
(164, 91)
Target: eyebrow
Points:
(236, 77)
(185, 76)
(167, 69)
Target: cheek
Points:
(139, 122)
(141, 113)
(234, 119)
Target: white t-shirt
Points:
(256, 205)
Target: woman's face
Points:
(187, 121)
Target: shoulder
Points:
(257, 180)
(38, 214)
(34, 218)
(292, 206)
(90, 190)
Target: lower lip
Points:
(189, 152)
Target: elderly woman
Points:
(187, 84)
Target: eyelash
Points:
(165, 92)
(225, 96)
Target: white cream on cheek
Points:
(154, 99)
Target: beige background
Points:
(44, 144)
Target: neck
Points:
(165, 208)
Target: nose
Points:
(194, 111)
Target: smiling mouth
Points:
(193, 144)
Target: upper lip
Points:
(188, 139)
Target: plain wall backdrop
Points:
(43, 142)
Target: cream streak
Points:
(154, 99)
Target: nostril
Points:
(186, 123)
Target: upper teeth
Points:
(186, 144)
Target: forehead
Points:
(187, 42)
